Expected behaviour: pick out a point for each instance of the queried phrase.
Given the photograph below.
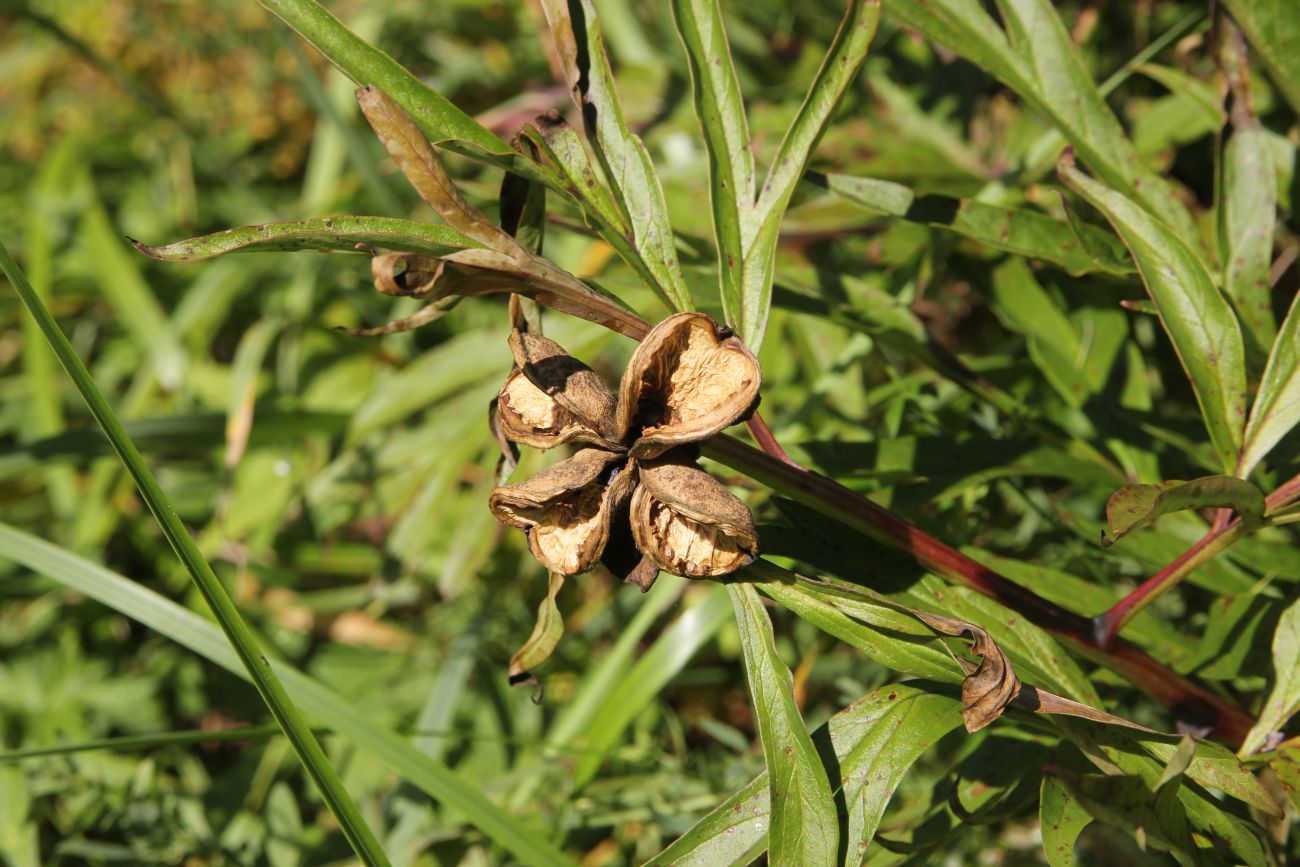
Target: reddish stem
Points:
(827, 496)
(766, 440)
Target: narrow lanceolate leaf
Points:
(1277, 403)
(1247, 213)
(761, 231)
(1134, 506)
(1036, 58)
(1198, 319)
(721, 109)
(1284, 698)
(1031, 234)
(1273, 29)
(438, 119)
(1061, 818)
(804, 828)
(344, 234)
(623, 157)
(875, 740)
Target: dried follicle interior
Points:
(567, 536)
(686, 382)
(684, 546)
(526, 406)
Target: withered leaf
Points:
(688, 523)
(688, 380)
(419, 162)
(403, 275)
(988, 687)
(566, 508)
(547, 633)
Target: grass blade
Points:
(839, 69)
(241, 638)
(1199, 321)
(342, 234)
(804, 826)
(353, 723)
(721, 110)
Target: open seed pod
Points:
(567, 508)
(688, 523)
(553, 398)
(688, 380)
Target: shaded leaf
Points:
(1134, 506)
(804, 827)
(344, 234)
(1198, 319)
(1284, 698)
(1273, 29)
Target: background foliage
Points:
(338, 485)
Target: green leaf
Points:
(804, 827)
(1054, 343)
(1276, 410)
(343, 234)
(546, 634)
(721, 110)
(253, 661)
(1273, 29)
(1214, 766)
(1196, 316)
(1247, 213)
(876, 741)
(621, 154)
(1036, 58)
(356, 724)
(1284, 698)
(441, 121)
(761, 231)
(1081, 249)
(1061, 818)
(1134, 506)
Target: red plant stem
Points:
(762, 435)
(1185, 698)
(1221, 536)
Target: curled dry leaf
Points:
(988, 687)
(688, 380)
(688, 523)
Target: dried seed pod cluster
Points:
(631, 497)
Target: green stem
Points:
(241, 638)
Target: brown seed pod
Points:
(566, 509)
(574, 386)
(688, 380)
(688, 523)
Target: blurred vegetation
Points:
(338, 485)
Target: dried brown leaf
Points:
(990, 686)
